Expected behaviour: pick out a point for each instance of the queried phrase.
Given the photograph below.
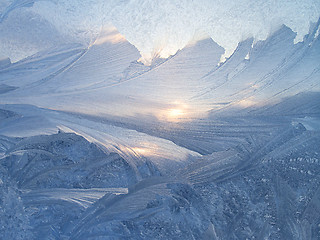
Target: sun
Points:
(175, 113)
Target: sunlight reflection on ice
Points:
(146, 149)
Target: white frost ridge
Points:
(161, 28)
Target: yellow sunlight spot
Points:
(177, 112)
(146, 148)
(174, 113)
(142, 151)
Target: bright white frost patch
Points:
(161, 28)
(317, 32)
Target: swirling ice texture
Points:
(161, 28)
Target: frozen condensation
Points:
(161, 28)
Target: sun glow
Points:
(176, 112)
